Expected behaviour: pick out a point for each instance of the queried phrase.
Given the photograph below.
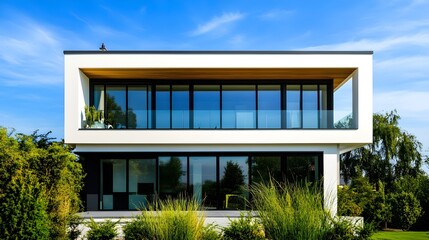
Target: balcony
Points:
(225, 119)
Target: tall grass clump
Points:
(168, 219)
(291, 211)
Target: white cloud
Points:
(409, 71)
(394, 42)
(217, 23)
(32, 51)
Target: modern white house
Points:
(209, 123)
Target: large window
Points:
(172, 176)
(234, 181)
(269, 106)
(215, 106)
(141, 182)
(218, 181)
(238, 106)
(203, 178)
(116, 106)
(137, 107)
(180, 106)
(206, 106)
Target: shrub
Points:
(341, 229)
(23, 209)
(366, 231)
(291, 211)
(210, 232)
(405, 209)
(73, 231)
(101, 231)
(244, 228)
(347, 204)
(177, 219)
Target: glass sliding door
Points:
(137, 107)
(269, 106)
(141, 182)
(234, 180)
(207, 106)
(180, 106)
(116, 106)
(293, 106)
(113, 187)
(203, 178)
(172, 176)
(238, 106)
(310, 116)
(163, 106)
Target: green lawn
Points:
(384, 235)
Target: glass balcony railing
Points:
(226, 119)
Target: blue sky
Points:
(33, 35)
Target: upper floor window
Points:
(273, 105)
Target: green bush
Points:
(405, 209)
(341, 229)
(366, 231)
(175, 219)
(347, 204)
(210, 232)
(55, 170)
(101, 231)
(244, 228)
(23, 209)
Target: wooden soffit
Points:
(337, 74)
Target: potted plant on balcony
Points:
(94, 118)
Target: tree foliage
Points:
(50, 164)
(393, 154)
(391, 165)
(405, 209)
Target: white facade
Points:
(80, 67)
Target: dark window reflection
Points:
(234, 181)
(137, 107)
(172, 176)
(206, 106)
(264, 167)
(116, 106)
(302, 168)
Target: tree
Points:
(52, 166)
(394, 153)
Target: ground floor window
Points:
(128, 181)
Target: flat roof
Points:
(71, 52)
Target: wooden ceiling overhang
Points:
(338, 75)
